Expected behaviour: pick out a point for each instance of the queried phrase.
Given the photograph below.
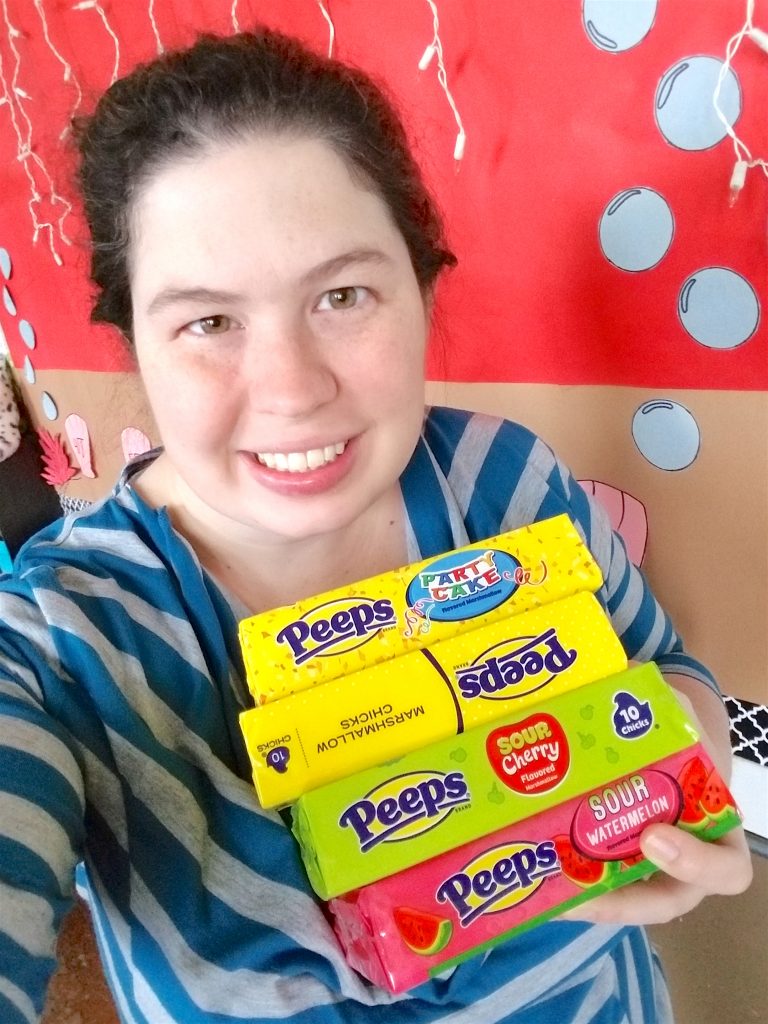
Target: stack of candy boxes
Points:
(465, 750)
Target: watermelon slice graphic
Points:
(693, 779)
(715, 800)
(630, 862)
(580, 869)
(422, 932)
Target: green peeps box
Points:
(385, 819)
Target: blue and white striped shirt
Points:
(120, 687)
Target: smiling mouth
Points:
(301, 462)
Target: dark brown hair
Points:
(229, 88)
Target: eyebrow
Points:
(213, 296)
(205, 296)
(336, 263)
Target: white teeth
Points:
(300, 462)
(297, 462)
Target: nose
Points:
(289, 374)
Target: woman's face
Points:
(280, 333)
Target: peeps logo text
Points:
(336, 627)
(515, 667)
(404, 806)
(498, 879)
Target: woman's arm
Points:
(708, 710)
(41, 827)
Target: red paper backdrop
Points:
(555, 128)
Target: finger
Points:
(723, 867)
(692, 870)
(655, 900)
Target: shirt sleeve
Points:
(41, 814)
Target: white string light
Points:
(435, 49)
(153, 23)
(94, 5)
(69, 74)
(331, 29)
(24, 153)
(744, 159)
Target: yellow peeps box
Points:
(367, 718)
(293, 648)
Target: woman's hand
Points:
(690, 869)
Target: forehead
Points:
(278, 199)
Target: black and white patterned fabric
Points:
(10, 435)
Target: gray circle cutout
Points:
(618, 25)
(29, 371)
(666, 434)
(5, 263)
(718, 308)
(683, 107)
(636, 229)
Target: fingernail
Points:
(660, 850)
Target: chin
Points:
(297, 524)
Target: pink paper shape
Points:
(80, 440)
(626, 513)
(135, 442)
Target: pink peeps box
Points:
(400, 931)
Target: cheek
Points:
(405, 376)
(398, 373)
(186, 402)
(390, 385)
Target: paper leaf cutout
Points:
(58, 469)
(135, 442)
(80, 439)
(626, 513)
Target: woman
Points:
(262, 238)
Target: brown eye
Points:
(218, 324)
(342, 298)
